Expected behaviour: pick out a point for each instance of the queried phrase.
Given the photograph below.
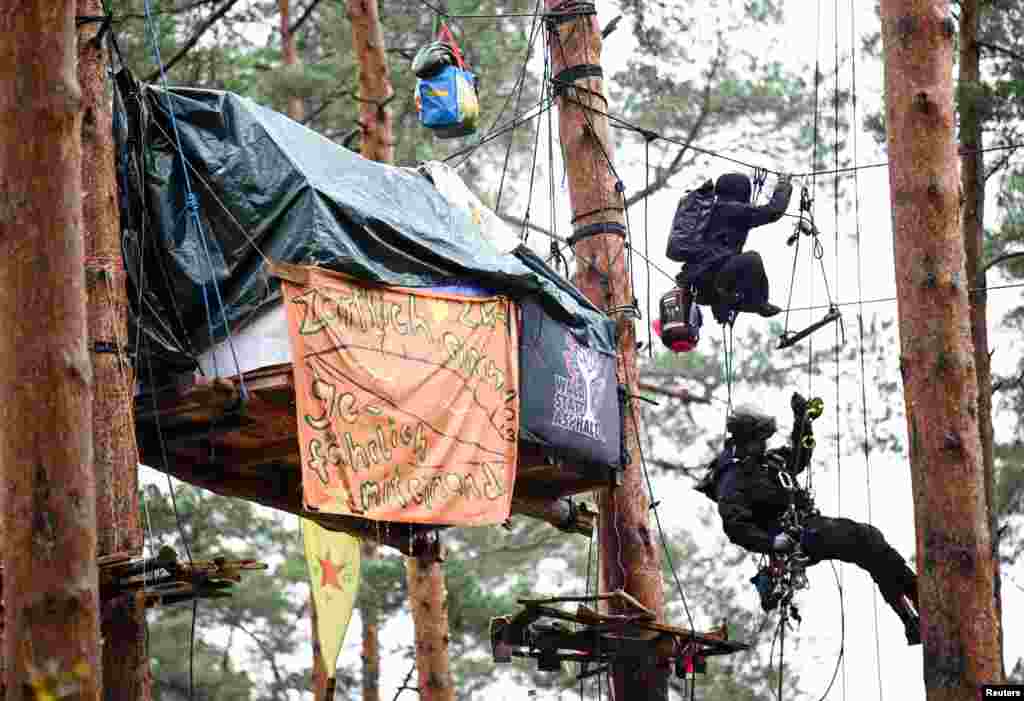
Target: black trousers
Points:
(738, 283)
(863, 545)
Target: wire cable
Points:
(836, 343)
(860, 325)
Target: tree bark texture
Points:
(50, 588)
(972, 178)
(954, 542)
(375, 91)
(630, 555)
(319, 670)
(289, 57)
(115, 455)
(425, 582)
(370, 616)
(428, 599)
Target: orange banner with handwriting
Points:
(407, 400)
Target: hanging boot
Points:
(911, 620)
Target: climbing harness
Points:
(805, 227)
(781, 575)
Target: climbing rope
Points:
(192, 211)
(860, 325)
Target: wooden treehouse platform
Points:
(595, 640)
(202, 432)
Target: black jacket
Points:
(730, 224)
(751, 496)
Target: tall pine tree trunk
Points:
(375, 89)
(630, 557)
(377, 144)
(115, 454)
(954, 541)
(972, 178)
(428, 600)
(369, 612)
(289, 57)
(319, 670)
(50, 580)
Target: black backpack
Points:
(686, 243)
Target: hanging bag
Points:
(679, 321)
(686, 242)
(446, 91)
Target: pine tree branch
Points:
(306, 14)
(677, 162)
(1002, 259)
(673, 467)
(405, 683)
(1002, 50)
(682, 395)
(193, 40)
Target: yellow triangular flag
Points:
(333, 561)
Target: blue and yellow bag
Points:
(446, 91)
(447, 102)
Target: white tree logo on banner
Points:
(576, 395)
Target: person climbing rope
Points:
(764, 510)
(710, 241)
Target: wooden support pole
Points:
(630, 557)
(115, 456)
(954, 540)
(51, 646)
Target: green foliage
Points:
(266, 617)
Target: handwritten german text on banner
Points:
(407, 401)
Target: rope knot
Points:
(192, 202)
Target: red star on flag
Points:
(329, 573)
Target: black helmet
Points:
(733, 187)
(747, 423)
(432, 58)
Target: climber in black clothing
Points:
(726, 278)
(755, 487)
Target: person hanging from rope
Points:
(764, 510)
(709, 231)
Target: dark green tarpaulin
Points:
(267, 184)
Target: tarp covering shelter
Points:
(267, 188)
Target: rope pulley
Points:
(805, 227)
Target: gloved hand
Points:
(783, 543)
(798, 404)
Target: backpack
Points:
(687, 241)
(447, 102)
(446, 90)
